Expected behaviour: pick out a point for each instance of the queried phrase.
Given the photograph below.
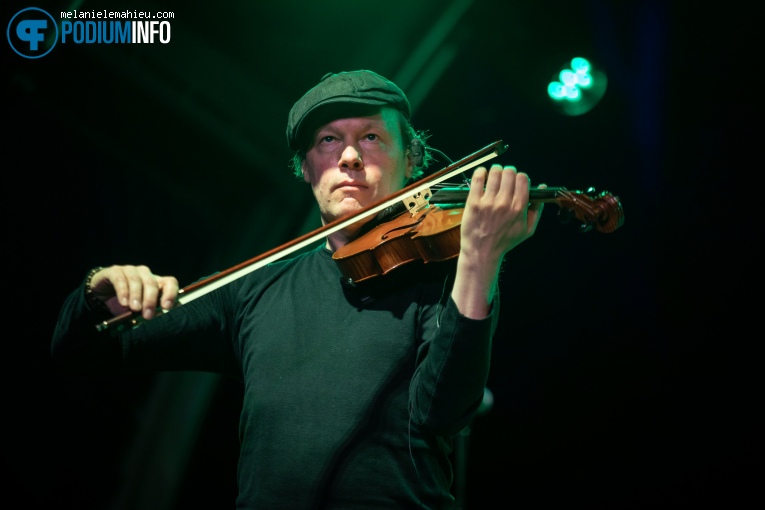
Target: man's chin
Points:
(348, 208)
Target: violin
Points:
(431, 233)
(436, 236)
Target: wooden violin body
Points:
(432, 234)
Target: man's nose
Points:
(351, 159)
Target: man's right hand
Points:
(135, 289)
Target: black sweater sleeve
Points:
(452, 369)
(77, 345)
(187, 338)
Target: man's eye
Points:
(372, 137)
(327, 138)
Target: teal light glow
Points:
(578, 88)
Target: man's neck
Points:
(337, 240)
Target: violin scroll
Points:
(602, 211)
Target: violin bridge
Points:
(415, 203)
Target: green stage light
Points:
(578, 88)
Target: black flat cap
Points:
(352, 88)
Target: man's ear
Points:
(409, 165)
(302, 170)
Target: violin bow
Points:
(222, 278)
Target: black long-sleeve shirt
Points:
(352, 395)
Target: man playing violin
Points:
(352, 393)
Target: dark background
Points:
(625, 371)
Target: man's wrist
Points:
(95, 304)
